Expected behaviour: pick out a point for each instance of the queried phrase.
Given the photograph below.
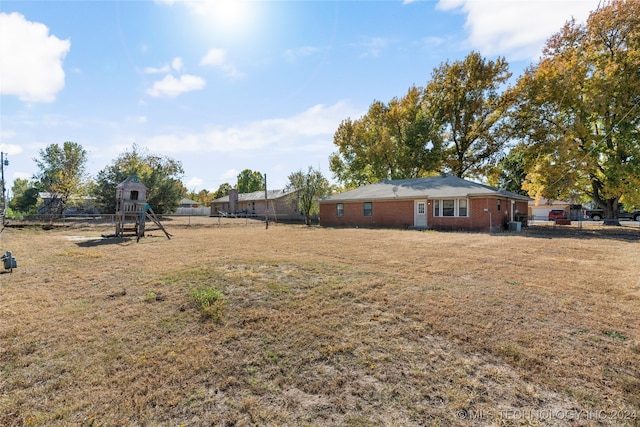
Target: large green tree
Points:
(309, 186)
(580, 110)
(250, 181)
(25, 196)
(469, 100)
(204, 196)
(395, 140)
(62, 172)
(160, 174)
(510, 173)
(223, 190)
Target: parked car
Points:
(598, 214)
(557, 214)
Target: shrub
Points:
(210, 301)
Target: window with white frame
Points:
(339, 209)
(450, 207)
(462, 207)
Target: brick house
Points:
(280, 203)
(439, 202)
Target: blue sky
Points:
(223, 85)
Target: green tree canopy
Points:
(579, 110)
(25, 196)
(392, 141)
(510, 174)
(223, 190)
(458, 123)
(62, 171)
(309, 187)
(161, 175)
(204, 196)
(467, 98)
(250, 181)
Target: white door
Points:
(420, 213)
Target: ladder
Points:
(150, 214)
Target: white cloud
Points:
(231, 173)
(372, 47)
(517, 29)
(218, 58)
(310, 130)
(157, 70)
(214, 57)
(194, 182)
(196, 6)
(433, 41)
(12, 149)
(176, 64)
(137, 119)
(171, 87)
(292, 54)
(31, 59)
(21, 175)
(6, 134)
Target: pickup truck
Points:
(598, 214)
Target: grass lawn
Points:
(235, 325)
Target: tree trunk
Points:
(610, 211)
(609, 206)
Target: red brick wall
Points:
(391, 214)
(399, 214)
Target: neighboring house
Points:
(188, 203)
(49, 203)
(254, 205)
(439, 202)
(191, 207)
(539, 210)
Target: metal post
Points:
(3, 162)
(266, 203)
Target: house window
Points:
(451, 207)
(134, 195)
(448, 207)
(339, 209)
(499, 204)
(367, 208)
(462, 207)
(421, 208)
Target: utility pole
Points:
(3, 162)
(266, 203)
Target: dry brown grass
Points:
(321, 327)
